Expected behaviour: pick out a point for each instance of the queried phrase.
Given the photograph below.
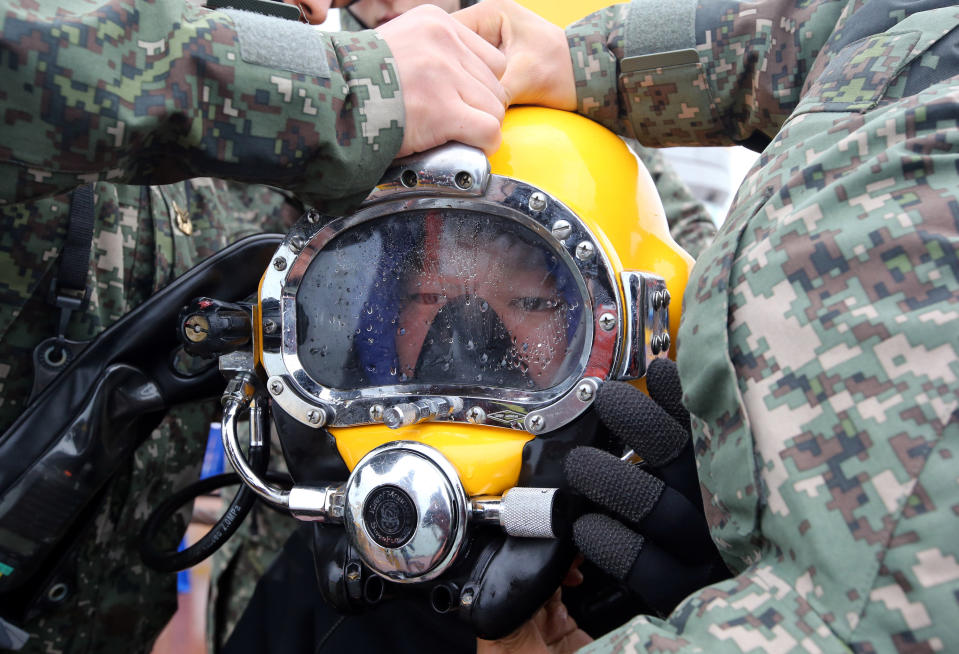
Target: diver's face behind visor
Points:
(487, 308)
(445, 297)
(451, 334)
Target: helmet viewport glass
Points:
(448, 297)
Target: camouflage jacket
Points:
(158, 92)
(155, 92)
(825, 418)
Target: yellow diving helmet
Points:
(430, 358)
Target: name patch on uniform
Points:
(280, 43)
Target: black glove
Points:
(658, 544)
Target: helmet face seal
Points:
(468, 296)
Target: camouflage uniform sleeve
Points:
(816, 357)
(690, 224)
(724, 73)
(155, 92)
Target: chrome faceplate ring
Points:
(491, 194)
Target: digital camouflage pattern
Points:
(826, 410)
(115, 603)
(155, 92)
(134, 91)
(138, 248)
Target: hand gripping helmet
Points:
(429, 359)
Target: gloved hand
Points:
(658, 543)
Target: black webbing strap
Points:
(69, 288)
(75, 257)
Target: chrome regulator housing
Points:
(406, 511)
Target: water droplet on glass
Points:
(402, 330)
(484, 305)
(484, 357)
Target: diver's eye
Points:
(536, 303)
(427, 298)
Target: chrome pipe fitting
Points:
(240, 394)
(406, 511)
(317, 504)
(323, 504)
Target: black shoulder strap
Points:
(69, 288)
